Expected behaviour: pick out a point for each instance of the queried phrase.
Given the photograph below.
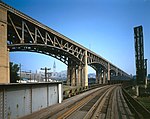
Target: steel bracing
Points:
(26, 34)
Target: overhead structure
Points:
(22, 33)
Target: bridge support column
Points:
(104, 77)
(98, 76)
(121, 73)
(116, 72)
(4, 51)
(79, 76)
(71, 74)
(85, 71)
(108, 73)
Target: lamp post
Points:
(45, 69)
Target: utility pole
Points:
(20, 72)
(45, 69)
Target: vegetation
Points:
(131, 91)
(144, 97)
(145, 101)
(14, 69)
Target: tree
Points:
(14, 69)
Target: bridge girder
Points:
(23, 36)
(27, 34)
(96, 60)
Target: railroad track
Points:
(80, 108)
(107, 103)
(103, 103)
(112, 106)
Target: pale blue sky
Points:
(104, 26)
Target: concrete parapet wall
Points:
(17, 100)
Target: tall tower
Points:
(54, 69)
(139, 55)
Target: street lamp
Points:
(45, 69)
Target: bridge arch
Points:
(23, 33)
(112, 72)
(101, 72)
(59, 54)
(27, 36)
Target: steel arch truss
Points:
(94, 61)
(24, 35)
(27, 34)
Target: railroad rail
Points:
(107, 102)
(81, 108)
(140, 112)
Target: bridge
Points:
(20, 32)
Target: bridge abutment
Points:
(4, 51)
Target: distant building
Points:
(34, 77)
(62, 75)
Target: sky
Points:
(103, 26)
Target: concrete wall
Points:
(17, 100)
